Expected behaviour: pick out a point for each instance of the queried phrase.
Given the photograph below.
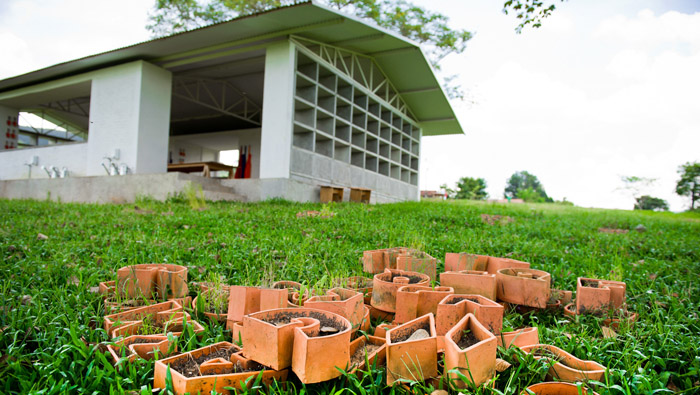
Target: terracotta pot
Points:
(345, 302)
(570, 310)
(273, 345)
(411, 359)
(380, 315)
(460, 261)
(113, 306)
(381, 329)
(169, 309)
(519, 338)
(373, 261)
(213, 316)
(246, 300)
(496, 264)
(296, 297)
(417, 261)
(558, 388)
(366, 322)
(217, 370)
(470, 282)
(563, 296)
(360, 284)
(317, 357)
(387, 284)
(107, 288)
(453, 308)
(476, 359)
(167, 325)
(205, 285)
(413, 301)
(145, 347)
(237, 332)
(528, 287)
(595, 296)
(567, 368)
(358, 346)
(153, 281)
(621, 317)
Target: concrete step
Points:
(212, 188)
(216, 196)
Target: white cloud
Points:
(649, 29)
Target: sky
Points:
(604, 89)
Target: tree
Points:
(471, 188)
(689, 184)
(526, 186)
(427, 28)
(647, 202)
(530, 12)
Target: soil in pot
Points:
(190, 367)
(402, 336)
(458, 299)
(215, 300)
(359, 356)
(151, 326)
(411, 279)
(328, 325)
(590, 283)
(467, 339)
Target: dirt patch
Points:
(359, 356)
(613, 230)
(403, 334)
(496, 219)
(467, 339)
(411, 279)
(284, 318)
(590, 283)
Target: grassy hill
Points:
(50, 318)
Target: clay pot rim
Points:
(596, 367)
(541, 274)
(470, 319)
(471, 272)
(431, 326)
(214, 347)
(168, 267)
(425, 289)
(535, 387)
(425, 279)
(295, 323)
(481, 298)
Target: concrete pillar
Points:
(277, 116)
(130, 114)
(9, 128)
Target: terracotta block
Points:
(376, 261)
(470, 282)
(595, 296)
(557, 388)
(152, 281)
(413, 301)
(496, 264)
(316, 357)
(381, 329)
(519, 338)
(453, 308)
(416, 261)
(137, 346)
(567, 368)
(527, 287)
(476, 361)
(345, 302)
(214, 378)
(456, 262)
(412, 359)
(246, 300)
(387, 284)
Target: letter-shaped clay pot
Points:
(453, 308)
(269, 336)
(558, 388)
(171, 281)
(381, 329)
(519, 337)
(370, 349)
(621, 317)
(321, 346)
(387, 284)
(496, 264)
(471, 349)
(213, 316)
(470, 282)
(527, 287)
(345, 302)
(362, 285)
(153, 281)
(413, 301)
(411, 353)
(247, 300)
(595, 296)
(218, 372)
(417, 261)
(373, 261)
(567, 368)
(296, 297)
(169, 309)
(145, 347)
(459, 261)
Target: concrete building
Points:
(319, 97)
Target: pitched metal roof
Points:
(401, 59)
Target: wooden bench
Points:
(201, 167)
(360, 195)
(331, 194)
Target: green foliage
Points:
(427, 28)
(647, 202)
(43, 340)
(195, 196)
(529, 12)
(471, 188)
(526, 186)
(689, 183)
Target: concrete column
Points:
(9, 128)
(277, 116)
(130, 114)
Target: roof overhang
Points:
(402, 60)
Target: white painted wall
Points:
(278, 102)
(130, 111)
(71, 156)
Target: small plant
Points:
(195, 196)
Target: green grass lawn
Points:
(50, 317)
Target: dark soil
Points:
(286, 317)
(468, 339)
(459, 299)
(589, 283)
(359, 356)
(189, 367)
(403, 335)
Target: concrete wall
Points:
(71, 156)
(278, 102)
(316, 169)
